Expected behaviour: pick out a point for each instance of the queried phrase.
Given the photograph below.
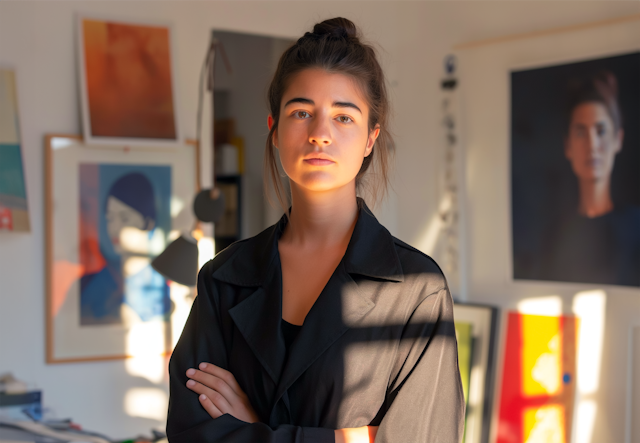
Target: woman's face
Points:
(323, 133)
(119, 216)
(593, 142)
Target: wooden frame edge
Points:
(48, 253)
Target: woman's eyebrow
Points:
(346, 105)
(307, 101)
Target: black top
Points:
(289, 332)
(601, 250)
(378, 346)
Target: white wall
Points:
(38, 39)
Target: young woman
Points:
(323, 327)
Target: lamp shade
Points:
(179, 262)
(209, 205)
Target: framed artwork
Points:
(14, 211)
(127, 83)
(575, 171)
(476, 328)
(108, 214)
(538, 388)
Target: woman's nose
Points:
(320, 133)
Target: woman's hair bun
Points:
(338, 27)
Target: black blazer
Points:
(378, 347)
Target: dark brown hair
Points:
(335, 46)
(601, 88)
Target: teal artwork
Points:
(14, 211)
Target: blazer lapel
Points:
(257, 317)
(340, 305)
(258, 320)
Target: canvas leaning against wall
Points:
(575, 156)
(109, 213)
(538, 385)
(128, 86)
(14, 211)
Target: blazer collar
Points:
(371, 252)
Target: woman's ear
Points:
(371, 140)
(270, 122)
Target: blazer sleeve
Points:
(425, 401)
(202, 340)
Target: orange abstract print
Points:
(128, 80)
(538, 381)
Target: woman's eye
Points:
(302, 114)
(344, 119)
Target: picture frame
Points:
(128, 85)
(486, 69)
(14, 207)
(552, 239)
(476, 332)
(108, 213)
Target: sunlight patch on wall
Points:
(585, 418)
(429, 238)
(206, 249)
(589, 307)
(146, 345)
(182, 301)
(146, 403)
(547, 305)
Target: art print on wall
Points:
(109, 214)
(128, 85)
(124, 214)
(476, 329)
(538, 379)
(14, 212)
(575, 156)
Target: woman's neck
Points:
(595, 198)
(321, 219)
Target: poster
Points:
(124, 210)
(127, 83)
(575, 158)
(14, 211)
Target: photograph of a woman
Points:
(324, 327)
(589, 231)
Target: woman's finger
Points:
(216, 398)
(208, 406)
(222, 374)
(213, 382)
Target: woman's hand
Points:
(220, 393)
(364, 434)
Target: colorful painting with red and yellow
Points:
(128, 80)
(538, 379)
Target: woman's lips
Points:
(319, 161)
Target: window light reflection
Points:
(182, 301)
(547, 305)
(146, 346)
(429, 237)
(585, 418)
(544, 425)
(146, 403)
(589, 307)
